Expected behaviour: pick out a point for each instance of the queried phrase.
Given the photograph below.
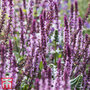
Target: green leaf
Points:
(15, 38)
(24, 10)
(34, 12)
(86, 31)
(76, 82)
(24, 86)
(21, 58)
(60, 55)
(7, 17)
(41, 65)
(56, 36)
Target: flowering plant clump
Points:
(45, 44)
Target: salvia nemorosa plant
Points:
(2, 20)
(42, 47)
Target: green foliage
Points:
(83, 5)
(16, 47)
(20, 59)
(24, 10)
(86, 31)
(41, 65)
(24, 86)
(60, 55)
(37, 12)
(76, 82)
(56, 36)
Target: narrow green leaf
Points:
(41, 65)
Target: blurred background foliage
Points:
(64, 9)
(83, 5)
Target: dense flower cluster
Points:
(40, 52)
